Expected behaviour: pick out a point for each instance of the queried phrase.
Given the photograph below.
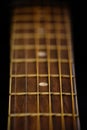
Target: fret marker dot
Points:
(41, 54)
(42, 84)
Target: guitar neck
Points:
(42, 92)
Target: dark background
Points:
(78, 17)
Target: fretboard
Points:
(42, 92)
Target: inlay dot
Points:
(42, 84)
(41, 53)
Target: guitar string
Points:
(57, 35)
(48, 64)
(67, 27)
(26, 89)
(54, 32)
(37, 67)
(59, 66)
(10, 87)
(44, 25)
(15, 88)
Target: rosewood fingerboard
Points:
(42, 92)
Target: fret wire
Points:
(27, 18)
(41, 93)
(23, 75)
(50, 105)
(41, 75)
(18, 26)
(37, 65)
(27, 29)
(60, 77)
(17, 60)
(41, 114)
(27, 26)
(52, 47)
(20, 47)
(23, 60)
(67, 26)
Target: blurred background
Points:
(78, 18)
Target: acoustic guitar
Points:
(42, 91)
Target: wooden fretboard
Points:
(42, 92)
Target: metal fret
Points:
(42, 93)
(41, 114)
(40, 60)
(20, 47)
(18, 26)
(40, 75)
(26, 35)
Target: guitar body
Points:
(42, 92)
